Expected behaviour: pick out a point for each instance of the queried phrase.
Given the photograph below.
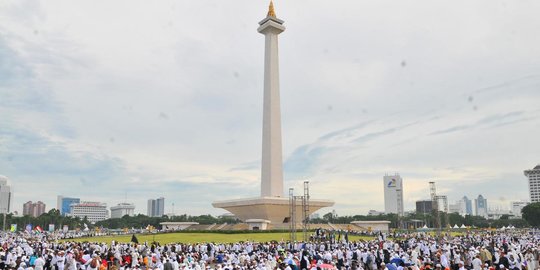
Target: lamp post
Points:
(4, 223)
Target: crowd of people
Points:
(416, 251)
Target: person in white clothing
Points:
(60, 260)
(477, 263)
(39, 263)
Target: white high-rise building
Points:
(6, 196)
(93, 211)
(393, 194)
(534, 183)
(122, 209)
(515, 208)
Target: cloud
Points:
(137, 102)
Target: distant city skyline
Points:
(156, 206)
(137, 103)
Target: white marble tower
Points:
(271, 207)
(272, 164)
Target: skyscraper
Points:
(480, 206)
(393, 194)
(150, 206)
(160, 206)
(5, 195)
(156, 208)
(63, 204)
(534, 183)
(467, 206)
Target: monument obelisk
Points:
(272, 164)
(271, 207)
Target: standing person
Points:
(461, 265)
(485, 255)
(71, 263)
(168, 265)
(515, 264)
(39, 263)
(93, 264)
(503, 260)
(477, 263)
(60, 260)
(529, 259)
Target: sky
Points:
(122, 101)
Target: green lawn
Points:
(204, 237)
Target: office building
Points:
(33, 209)
(455, 208)
(93, 211)
(393, 194)
(424, 207)
(467, 208)
(480, 206)
(63, 204)
(534, 184)
(5, 195)
(122, 209)
(156, 208)
(463, 207)
(515, 208)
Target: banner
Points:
(13, 227)
(65, 228)
(29, 227)
(51, 227)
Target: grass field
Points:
(203, 237)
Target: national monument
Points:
(271, 207)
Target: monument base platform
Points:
(274, 209)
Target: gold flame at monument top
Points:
(271, 11)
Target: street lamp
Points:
(4, 210)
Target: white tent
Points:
(425, 227)
(456, 226)
(463, 226)
(503, 228)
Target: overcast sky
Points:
(105, 100)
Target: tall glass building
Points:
(63, 204)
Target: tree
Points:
(328, 217)
(531, 213)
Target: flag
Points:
(134, 239)
(13, 227)
(29, 227)
(38, 229)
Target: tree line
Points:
(530, 213)
(142, 221)
(531, 217)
